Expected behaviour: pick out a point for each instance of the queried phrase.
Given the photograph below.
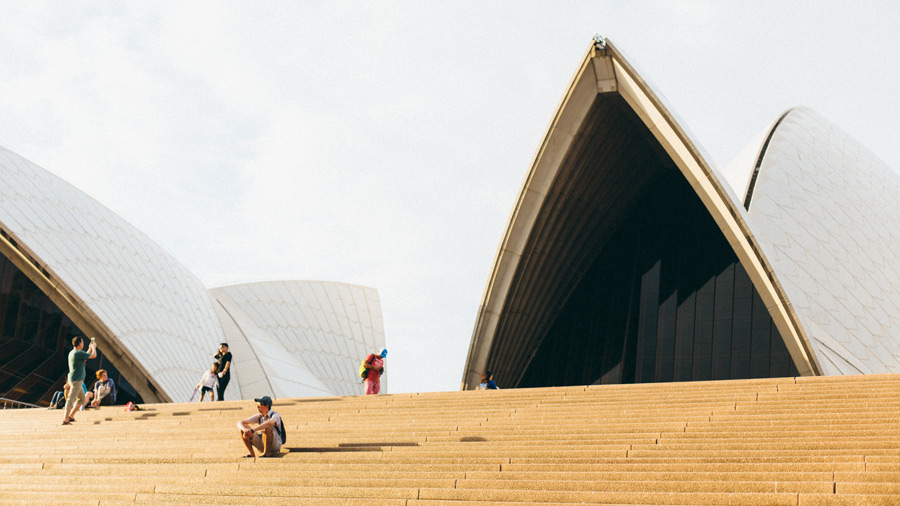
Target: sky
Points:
(385, 143)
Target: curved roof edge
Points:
(742, 170)
(605, 70)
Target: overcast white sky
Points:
(384, 143)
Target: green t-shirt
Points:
(76, 364)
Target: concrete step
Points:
(797, 441)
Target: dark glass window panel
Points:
(31, 313)
(760, 341)
(724, 307)
(665, 355)
(703, 330)
(11, 318)
(741, 328)
(647, 325)
(721, 359)
(684, 338)
(612, 354)
(581, 329)
(665, 299)
(5, 281)
(780, 364)
(724, 302)
(53, 321)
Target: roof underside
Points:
(595, 188)
(611, 139)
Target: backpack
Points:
(363, 372)
(280, 429)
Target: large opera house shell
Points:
(70, 266)
(629, 258)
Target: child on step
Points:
(208, 382)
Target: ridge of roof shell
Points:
(824, 210)
(604, 70)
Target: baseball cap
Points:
(266, 400)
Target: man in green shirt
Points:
(76, 375)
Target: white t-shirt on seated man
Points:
(265, 436)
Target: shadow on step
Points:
(304, 401)
(345, 447)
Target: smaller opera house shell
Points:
(69, 266)
(629, 258)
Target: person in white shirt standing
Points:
(268, 434)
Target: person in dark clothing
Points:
(223, 358)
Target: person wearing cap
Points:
(263, 430)
(375, 366)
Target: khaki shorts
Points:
(257, 442)
(76, 395)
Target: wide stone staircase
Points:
(788, 441)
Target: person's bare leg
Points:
(267, 440)
(71, 412)
(247, 438)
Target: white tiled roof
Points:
(825, 212)
(309, 336)
(154, 307)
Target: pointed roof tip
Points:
(599, 47)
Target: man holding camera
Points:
(75, 379)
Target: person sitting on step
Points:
(487, 382)
(266, 435)
(104, 390)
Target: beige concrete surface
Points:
(821, 441)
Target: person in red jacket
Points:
(375, 367)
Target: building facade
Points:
(70, 266)
(630, 258)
